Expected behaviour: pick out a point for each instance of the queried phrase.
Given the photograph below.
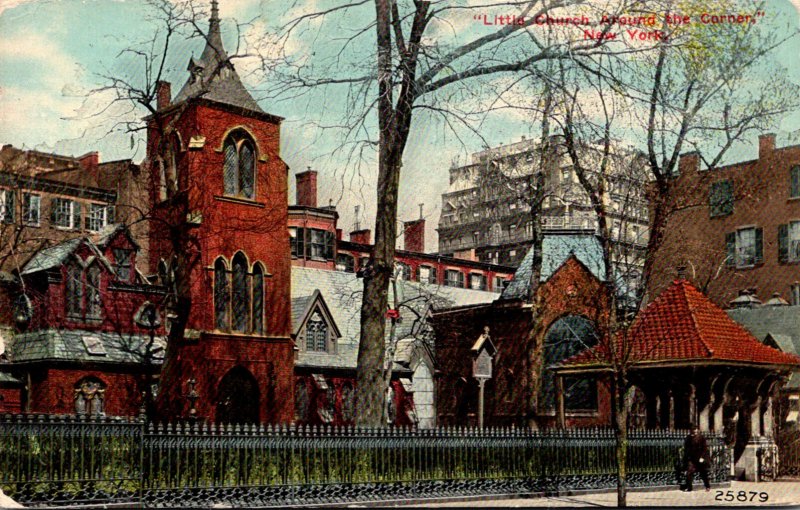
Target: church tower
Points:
(220, 246)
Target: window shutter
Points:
(795, 182)
(300, 238)
(759, 258)
(7, 211)
(783, 243)
(730, 248)
(110, 214)
(53, 211)
(433, 276)
(329, 245)
(76, 214)
(460, 279)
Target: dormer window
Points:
(239, 167)
(122, 262)
(83, 291)
(316, 333)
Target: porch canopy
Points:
(690, 364)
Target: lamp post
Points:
(483, 352)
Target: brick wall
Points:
(212, 356)
(572, 290)
(696, 239)
(53, 389)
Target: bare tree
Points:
(414, 68)
(686, 101)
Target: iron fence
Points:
(61, 460)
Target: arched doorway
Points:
(566, 337)
(423, 396)
(238, 397)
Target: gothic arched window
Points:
(316, 333)
(93, 302)
(241, 294)
(258, 299)
(239, 168)
(74, 289)
(222, 295)
(348, 403)
(301, 402)
(565, 338)
(90, 396)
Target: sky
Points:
(54, 55)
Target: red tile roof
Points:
(682, 324)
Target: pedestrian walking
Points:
(696, 458)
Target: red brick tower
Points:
(219, 243)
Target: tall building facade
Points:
(735, 227)
(486, 212)
(219, 215)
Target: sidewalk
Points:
(783, 493)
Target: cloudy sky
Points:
(54, 54)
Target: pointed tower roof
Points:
(683, 325)
(213, 76)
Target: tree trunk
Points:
(621, 435)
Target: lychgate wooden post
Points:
(482, 353)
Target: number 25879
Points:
(743, 496)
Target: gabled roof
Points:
(51, 257)
(84, 346)
(683, 325)
(556, 249)
(55, 256)
(215, 74)
(342, 292)
(313, 302)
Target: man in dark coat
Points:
(696, 458)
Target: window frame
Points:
(7, 206)
(431, 278)
(73, 216)
(97, 217)
(794, 182)
(317, 333)
(27, 200)
(720, 198)
(459, 280)
(233, 184)
(735, 246)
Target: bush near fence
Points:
(58, 459)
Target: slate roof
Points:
(682, 324)
(781, 324)
(342, 293)
(75, 345)
(8, 378)
(51, 257)
(215, 73)
(556, 248)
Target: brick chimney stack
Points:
(90, 160)
(163, 94)
(689, 162)
(414, 235)
(307, 188)
(766, 144)
(363, 236)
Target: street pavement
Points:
(782, 493)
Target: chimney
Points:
(766, 144)
(338, 234)
(90, 160)
(414, 235)
(363, 236)
(163, 94)
(307, 188)
(688, 162)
